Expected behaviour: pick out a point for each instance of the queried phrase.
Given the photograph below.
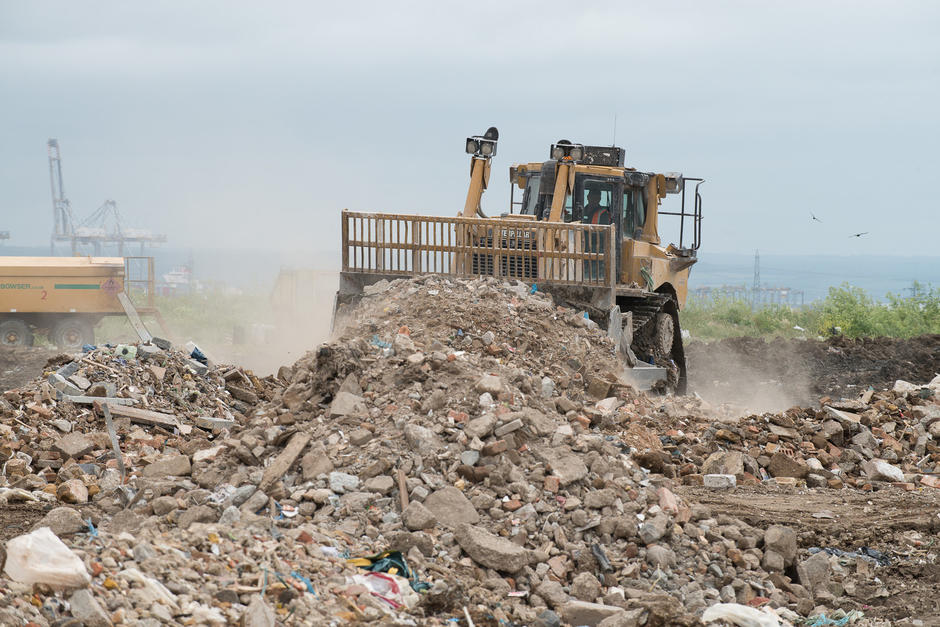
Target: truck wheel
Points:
(15, 333)
(72, 334)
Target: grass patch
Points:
(848, 308)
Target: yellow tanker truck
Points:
(65, 297)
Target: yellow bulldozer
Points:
(585, 228)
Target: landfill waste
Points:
(127, 351)
(836, 619)
(488, 475)
(741, 615)
(393, 563)
(391, 589)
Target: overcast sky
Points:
(250, 124)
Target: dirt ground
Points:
(901, 524)
(777, 374)
(17, 519)
(19, 364)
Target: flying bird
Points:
(858, 234)
(814, 216)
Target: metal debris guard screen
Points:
(526, 250)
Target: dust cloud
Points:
(301, 318)
(745, 389)
(749, 377)
(280, 322)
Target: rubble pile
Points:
(160, 400)
(891, 436)
(464, 451)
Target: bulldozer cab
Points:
(601, 191)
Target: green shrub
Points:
(846, 307)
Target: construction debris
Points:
(492, 476)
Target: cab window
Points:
(531, 197)
(597, 201)
(547, 208)
(634, 210)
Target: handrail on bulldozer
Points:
(534, 252)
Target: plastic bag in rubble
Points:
(40, 557)
(393, 563)
(741, 615)
(838, 619)
(392, 589)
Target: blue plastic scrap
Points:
(375, 341)
(824, 621)
(91, 528)
(199, 356)
(533, 289)
(306, 581)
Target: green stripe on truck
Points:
(77, 286)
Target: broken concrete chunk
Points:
(564, 464)
(654, 529)
(451, 507)
(80, 382)
(724, 463)
(422, 440)
(241, 393)
(878, 470)
(480, 427)
(490, 384)
(719, 482)
(782, 540)
(282, 463)
(74, 445)
(345, 404)
(63, 521)
(491, 551)
(587, 613)
(86, 609)
(509, 427)
(418, 517)
(72, 491)
(102, 389)
(173, 466)
(782, 465)
(315, 462)
(341, 482)
(813, 573)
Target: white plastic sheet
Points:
(740, 615)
